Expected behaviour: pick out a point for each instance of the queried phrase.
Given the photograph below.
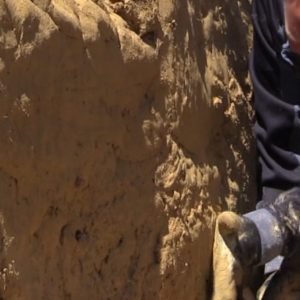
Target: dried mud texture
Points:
(125, 128)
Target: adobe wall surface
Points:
(125, 127)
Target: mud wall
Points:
(125, 127)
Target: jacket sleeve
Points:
(276, 86)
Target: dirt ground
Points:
(125, 128)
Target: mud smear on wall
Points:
(125, 128)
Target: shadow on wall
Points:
(213, 93)
(207, 98)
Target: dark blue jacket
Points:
(276, 83)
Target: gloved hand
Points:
(286, 209)
(242, 238)
(259, 236)
(231, 280)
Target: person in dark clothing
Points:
(273, 229)
(276, 83)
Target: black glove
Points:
(286, 209)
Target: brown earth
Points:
(125, 128)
